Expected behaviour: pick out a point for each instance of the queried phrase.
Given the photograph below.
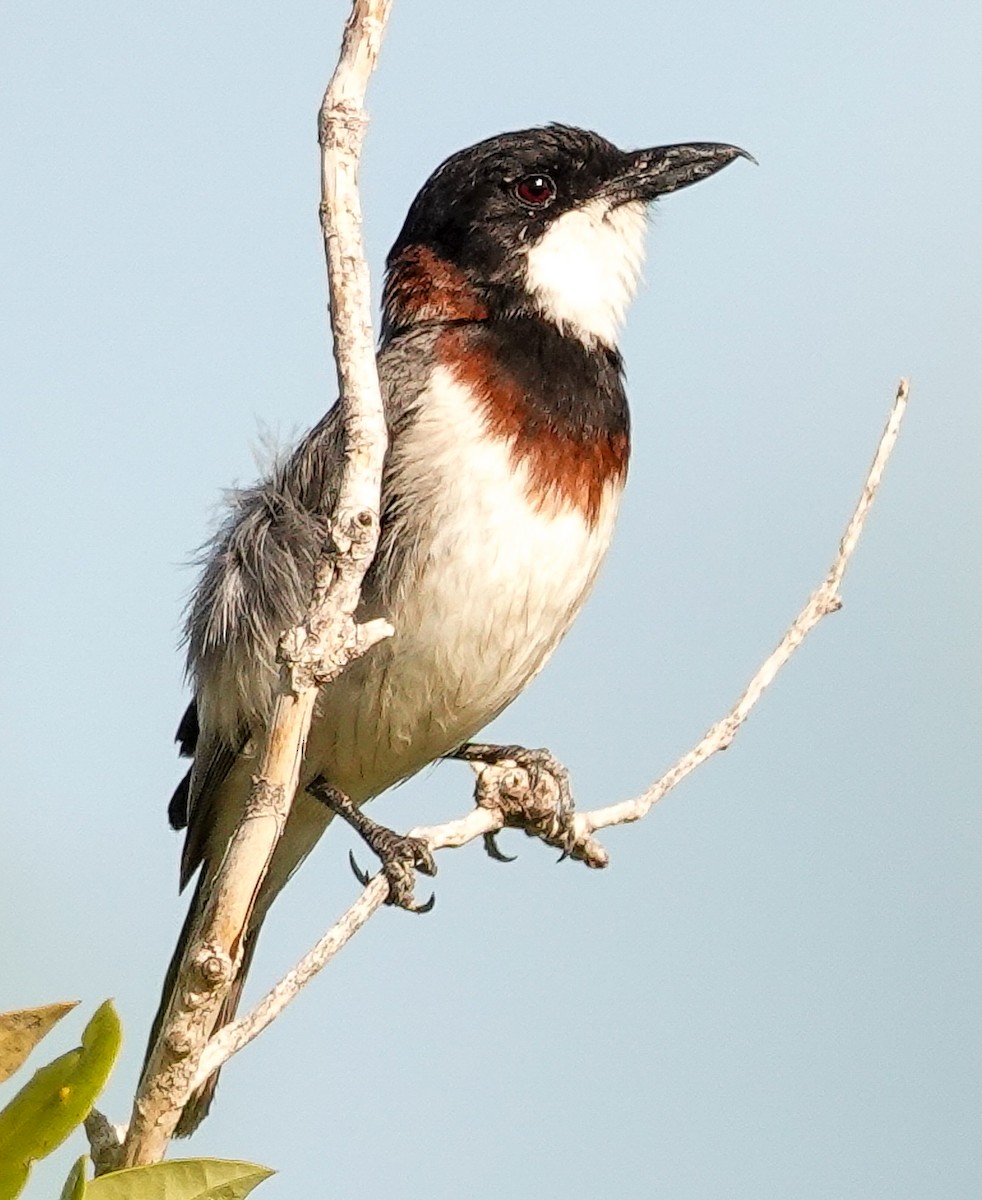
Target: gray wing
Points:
(256, 582)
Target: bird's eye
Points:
(535, 190)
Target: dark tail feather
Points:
(199, 1103)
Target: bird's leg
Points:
(401, 856)
(546, 811)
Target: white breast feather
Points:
(493, 586)
(584, 270)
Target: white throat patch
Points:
(584, 270)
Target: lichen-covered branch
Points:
(328, 638)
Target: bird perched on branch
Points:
(509, 439)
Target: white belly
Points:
(491, 586)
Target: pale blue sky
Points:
(773, 991)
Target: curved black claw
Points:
(426, 906)
(493, 850)
(401, 856)
(363, 877)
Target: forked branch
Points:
(506, 796)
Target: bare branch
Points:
(507, 796)
(328, 638)
(234, 1036)
(823, 601)
(230, 1039)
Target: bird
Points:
(509, 439)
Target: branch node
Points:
(370, 632)
(213, 971)
(266, 800)
(337, 117)
(355, 533)
(214, 968)
(180, 1041)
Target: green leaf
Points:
(74, 1188)
(180, 1179)
(21, 1031)
(58, 1098)
(13, 1176)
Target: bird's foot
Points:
(401, 856)
(532, 791)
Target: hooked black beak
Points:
(659, 170)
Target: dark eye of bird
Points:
(535, 190)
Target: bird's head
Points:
(547, 222)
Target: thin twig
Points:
(328, 638)
(823, 601)
(509, 778)
(236, 1034)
